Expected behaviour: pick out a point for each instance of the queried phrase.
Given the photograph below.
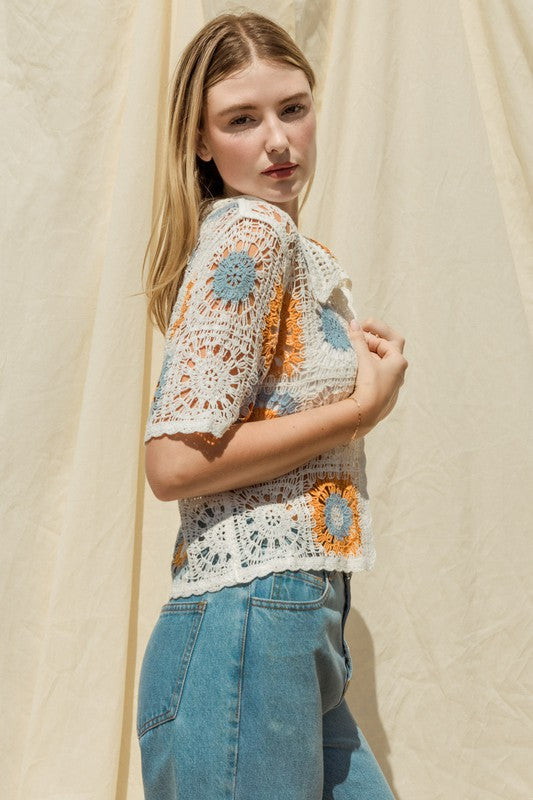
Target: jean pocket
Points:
(166, 661)
(296, 589)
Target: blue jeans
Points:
(242, 696)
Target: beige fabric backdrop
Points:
(423, 191)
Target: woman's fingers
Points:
(363, 341)
(378, 346)
(380, 329)
(381, 347)
(372, 340)
(357, 335)
(381, 366)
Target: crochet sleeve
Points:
(223, 330)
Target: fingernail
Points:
(355, 325)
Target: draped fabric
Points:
(423, 192)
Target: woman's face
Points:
(254, 119)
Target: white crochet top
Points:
(259, 329)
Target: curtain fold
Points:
(423, 191)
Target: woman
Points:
(257, 429)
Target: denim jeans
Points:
(242, 696)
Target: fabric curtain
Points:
(423, 192)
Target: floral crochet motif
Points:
(273, 405)
(180, 556)
(271, 327)
(222, 211)
(161, 382)
(334, 333)
(323, 246)
(180, 317)
(234, 276)
(289, 355)
(336, 516)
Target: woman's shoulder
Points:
(320, 247)
(225, 212)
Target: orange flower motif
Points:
(269, 406)
(185, 303)
(271, 327)
(180, 556)
(289, 353)
(269, 210)
(336, 516)
(262, 413)
(323, 246)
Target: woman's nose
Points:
(276, 137)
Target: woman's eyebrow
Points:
(251, 107)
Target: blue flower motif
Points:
(221, 211)
(283, 401)
(334, 333)
(262, 398)
(234, 276)
(162, 379)
(338, 516)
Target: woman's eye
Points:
(295, 108)
(238, 121)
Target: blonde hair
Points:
(224, 45)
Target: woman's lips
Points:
(281, 172)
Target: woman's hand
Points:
(381, 366)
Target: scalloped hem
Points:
(196, 425)
(349, 565)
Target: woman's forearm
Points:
(183, 465)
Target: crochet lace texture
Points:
(259, 329)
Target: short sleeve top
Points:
(259, 329)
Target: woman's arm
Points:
(182, 465)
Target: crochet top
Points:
(258, 330)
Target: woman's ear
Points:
(202, 151)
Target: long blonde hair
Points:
(224, 45)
